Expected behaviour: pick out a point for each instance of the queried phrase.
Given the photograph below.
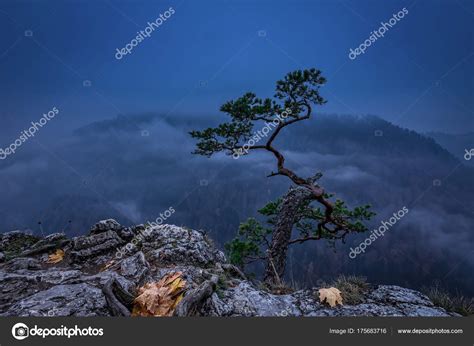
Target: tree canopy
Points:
(308, 208)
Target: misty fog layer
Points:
(134, 168)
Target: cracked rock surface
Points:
(128, 257)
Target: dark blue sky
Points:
(420, 75)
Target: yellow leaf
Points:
(178, 299)
(331, 295)
(159, 298)
(56, 257)
(167, 279)
(177, 284)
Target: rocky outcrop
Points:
(13, 243)
(100, 273)
(245, 300)
(94, 245)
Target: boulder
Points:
(134, 268)
(19, 263)
(62, 300)
(104, 226)
(94, 245)
(172, 244)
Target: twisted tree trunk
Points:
(286, 218)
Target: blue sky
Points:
(420, 75)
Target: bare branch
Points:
(303, 239)
(272, 174)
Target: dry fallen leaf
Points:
(159, 298)
(56, 257)
(332, 296)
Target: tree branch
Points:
(303, 239)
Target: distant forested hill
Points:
(133, 168)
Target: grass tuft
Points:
(353, 288)
(450, 302)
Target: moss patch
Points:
(17, 244)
